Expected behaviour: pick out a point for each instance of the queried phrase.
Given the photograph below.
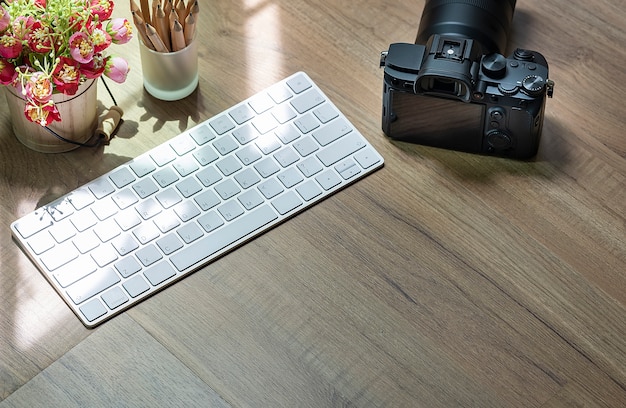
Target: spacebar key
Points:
(210, 244)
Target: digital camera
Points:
(454, 89)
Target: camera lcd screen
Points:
(437, 121)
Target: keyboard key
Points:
(326, 113)
(209, 176)
(92, 284)
(230, 210)
(127, 266)
(229, 165)
(222, 124)
(122, 177)
(189, 187)
(114, 298)
(298, 83)
(225, 144)
(101, 187)
(136, 286)
(92, 310)
(182, 144)
(33, 223)
(142, 166)
(207, 200)
(210, 244)
(286, 156)
(205, 155)
(271, 188)
(305, 146)
(307, 123)
(148, 255)
(148, 208)
(145, 188)
(307, 101)
(169, 244)
(159, 273)
(309, 190)
(290, 177)
(286, 202)
(210, 221)
(367, 158)
(104, 255)
(341, 149)
(185, 166)
(41, 243)
(81, 198)
(227, 189)
(64, 253)
(164, 177)
(190, 232)
(328, 179)
(310, 166)
(246, 134)
(247, 178)
(74, 271)
(267, 167)
(124, 244)
(202, 135)
(242, 113)
(146, 232)
(186, 211)
(250, 199)
(332, 132)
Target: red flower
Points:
(10, 47)
(66, 76)
(100, 39)
(94, 68)
(102, 8)
(43, 114)
(7, 72)
(40, 38)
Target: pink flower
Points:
(42, 114)
(39, 88)
(5, 19)
(22, 26)
(117, 69)
(66, 76)
(10, 47)
(81, 47)
(7, 72)
(120, 30)
(102, 8)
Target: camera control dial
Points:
(499, 140)
(508, 89)
(533, 85)
(494, 66)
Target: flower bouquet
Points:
(49, 47)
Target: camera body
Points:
(460, 93)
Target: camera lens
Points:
(486, 21)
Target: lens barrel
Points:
(488, 22)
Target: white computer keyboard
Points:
(150, 222)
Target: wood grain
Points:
(444, 279)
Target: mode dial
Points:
(533, 85)
(494, 66)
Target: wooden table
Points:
(444, 279)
